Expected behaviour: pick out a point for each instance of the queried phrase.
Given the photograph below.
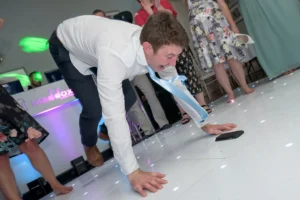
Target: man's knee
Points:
(91, 114)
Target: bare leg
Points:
(238, 71)
(8, 185)
(223, 79)
(180, 109)
(185, 117)
(41, 163)
(200, 98)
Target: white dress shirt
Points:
(114, 47)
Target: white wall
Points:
(39, 18)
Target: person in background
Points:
(143, 83)
(184, 63)
(1, 23)
(35, 80)
(21, 133)
(213, 31)
(99, 13)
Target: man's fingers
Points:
(231, 125)
(156, 184)
(161, 181)
(158, 175)
(149, 187)
(227, 127)
(215, 131)
(141, 191)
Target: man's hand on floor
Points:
(150, 181)
(216, 129)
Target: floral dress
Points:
(185, 66)
(214, 42)
(16, 125)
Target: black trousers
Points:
(86, 91)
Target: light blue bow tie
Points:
(167, 85)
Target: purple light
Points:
(51, 109)
(62, 128)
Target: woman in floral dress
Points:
(19, 132)
(213, 30)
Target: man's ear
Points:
(147, 48)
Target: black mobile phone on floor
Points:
(229, 136)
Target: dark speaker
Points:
(67, 176)
(38, 188)
(79, 165)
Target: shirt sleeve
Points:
(111, 73)
(167, 5)
(138, 19)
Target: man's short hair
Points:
(163, 28)
(98, 11)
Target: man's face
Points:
(100, 14)
(164, 57)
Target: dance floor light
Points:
(22, 78)
(34, 44)
(38, 76)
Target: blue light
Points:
(23, 169)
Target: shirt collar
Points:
(141, 58)
(140, 55)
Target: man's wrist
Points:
(204, 127)
(132, 174)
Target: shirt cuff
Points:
(130, 169)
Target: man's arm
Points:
(1, 23)
(111, 73)
(170, 73)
